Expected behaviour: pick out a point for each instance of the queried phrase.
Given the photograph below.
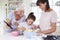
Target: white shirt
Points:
(12, 17)
(26, 25)
(46, 19)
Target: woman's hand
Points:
(39, 33)
(22, 28)
(16, 24)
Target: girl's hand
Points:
(39, 31)
(34, 26)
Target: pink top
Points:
(46, 19)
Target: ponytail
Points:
(31, 16)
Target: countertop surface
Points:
(11, 37)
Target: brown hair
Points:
(43, 1)
(31, 16)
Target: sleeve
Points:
(10, 15)
(54, 17)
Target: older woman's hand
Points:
(16, 24)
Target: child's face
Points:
(30, 21)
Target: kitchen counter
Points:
(10, 37)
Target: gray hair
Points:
(21, 7)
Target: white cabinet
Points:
(13, 4)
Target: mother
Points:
(48, 18)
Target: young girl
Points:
(28, 24)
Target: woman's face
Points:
(17, 17)
(42, 6)
(30, 21)
(21, 13)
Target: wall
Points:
(2, 14)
